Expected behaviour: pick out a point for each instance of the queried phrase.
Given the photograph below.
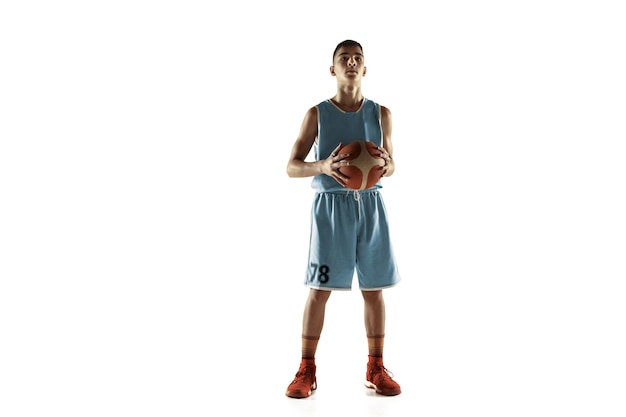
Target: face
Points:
(348, 63)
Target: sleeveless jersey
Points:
(335, 125)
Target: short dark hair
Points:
(347, 42)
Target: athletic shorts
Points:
(350, 233)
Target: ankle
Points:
(374, 359)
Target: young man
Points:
(348, 228)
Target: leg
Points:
(377, 377)
(305, 381)
(313, 321)
(374, 321)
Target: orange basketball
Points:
(365, 168)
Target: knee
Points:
(318, 296)
(373, 297)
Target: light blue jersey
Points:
(335, 125)
(349, 229)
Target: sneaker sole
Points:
(381, 392)
(302, 395)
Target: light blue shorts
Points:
(349, 232)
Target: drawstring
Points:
(357, 197)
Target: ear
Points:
(332, 70)
(364, 71)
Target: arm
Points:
(387, 148)
(297, 167)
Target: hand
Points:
(387, 158)
(332, 164)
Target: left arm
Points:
(386, 152)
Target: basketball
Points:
(365, 168)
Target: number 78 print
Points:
(319, 273)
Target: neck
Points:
(348, 99)
(349, 93)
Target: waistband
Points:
(350, 192)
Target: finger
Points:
(340, 179)
(335, 151)
(338, 175)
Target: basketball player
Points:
(348, 228)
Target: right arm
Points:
(297, 167)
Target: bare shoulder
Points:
(308, 130)
(311, 111)
(385, 117)
(310, 118)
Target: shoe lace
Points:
(303, 373)
(385, 373)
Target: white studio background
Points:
(153, 248)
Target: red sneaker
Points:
(379, 378)
(305, 381)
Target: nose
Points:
(352, 62)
